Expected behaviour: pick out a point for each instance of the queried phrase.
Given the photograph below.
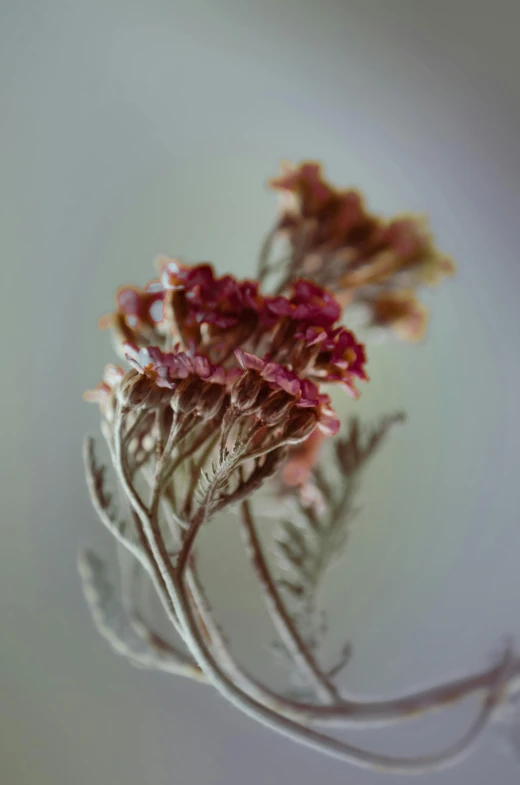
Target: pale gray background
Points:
(134, 128)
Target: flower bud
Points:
(283, 336)
(178, 305)
(276, 408)
(136, 390)
(210, 401)
(246, 391)
(300, 425)
(187, 393)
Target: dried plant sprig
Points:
(226, 390)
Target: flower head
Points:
(341, 359)
(168, 369)
(330, 216)
(222, 302)
(303, 189)
(306, 337)
(139, 316)
(357, 255)
(307, 304)
(279, 377)
(209, 347)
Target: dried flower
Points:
(168, 369)
(226, 390)
(359, 256)
(224, 325)
(332, 218)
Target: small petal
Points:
(249, 361)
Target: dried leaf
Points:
(354, 450)
(113, 624)
(311, 544)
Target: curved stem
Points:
(159, 480)
(121, 463)
(219, 646)
(308, 737)
(350, 711)
(189, 540)
(300, 653)
(100, 504)
(190, 492)
(132, 431)
(149, 535)
(173, 594)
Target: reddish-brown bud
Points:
(283, 336)
(187, 394)
(276, 408)
(211, 400)
(178, 305)
(300, 425)
(138, 390)
(246, 391)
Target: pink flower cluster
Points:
(308, 305)
(166, 369)
(222, 302)
(339, 216)
(305, 392)
(362, 257)
(191, 323)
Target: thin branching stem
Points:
(149, 533)
(173, 594)
(350, 711)
(300, 653)
(192, 486)
(304, 735)
(100, 504)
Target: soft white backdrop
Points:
(134, 128)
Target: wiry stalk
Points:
(298, 650)
(348, 711)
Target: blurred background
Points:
(130, 129)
